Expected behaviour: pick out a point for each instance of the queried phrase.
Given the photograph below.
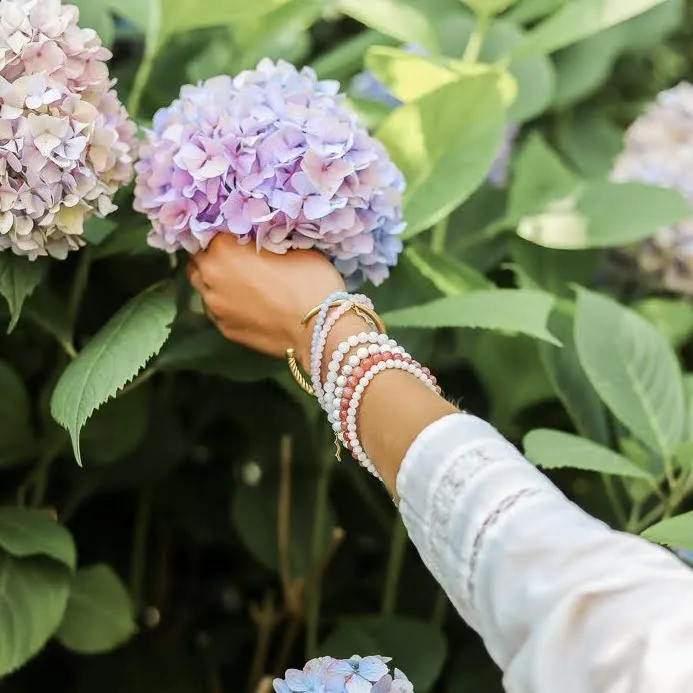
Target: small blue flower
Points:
(361, 672)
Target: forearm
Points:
(394, 409)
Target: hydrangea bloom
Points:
(276, 157)
(659, 150)
(65, 140)
(365, 85)
(353, 675)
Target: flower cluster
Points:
(659, 150)
(353, 675)
(273, 156)
(365, 85)
(66, 142)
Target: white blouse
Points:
(563, 603)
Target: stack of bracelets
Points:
(352, 367)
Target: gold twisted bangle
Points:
(296, 373)
(364, 312)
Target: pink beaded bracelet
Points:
(345, 409)
(331, 320)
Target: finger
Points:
(195, 278)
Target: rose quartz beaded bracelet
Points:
(355, 376)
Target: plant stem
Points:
(79, 286)
(615, 501)
(284, 524)
(144, 71)
(138, 559)
(476, 40)
(265, 618)
(398, 545)
(440, 231)
(320, 518)
(42, 471)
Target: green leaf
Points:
(674, 531)
(417, 648)
(128, 239)
(17, 440)
(254, 515)
(577, 20)
(603, 215)
(451, 277)
(591, 143)
(397, 18)
(27, 532)
(445, 144)
(688, 394)
(557, 450)
(19, 277)
(489, 8)
(531, 10)
(554, 270)
(112, 358)
(93, 14)
(672, 317)
(407, 76)
(539, 177)
(99, 612)
(50, 313)
(96, 230)
(500, 360)
(570, 381)
(178, 16)
(205, 350)
(534, 75)
(633, 369)
(118, 427)
(33, 597)
(506, 310)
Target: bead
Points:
(332, 366)
(329, 387)
(347, 369)
(377, 358)
(351, 419)
(343, 347)
(341, 380)
(348, 392)
(357, 372)
(363, 337)
(362, 353)
(373, 336)
(353, 341)
(332, 377)
(366, 364)
(373, 349)
(383, 339)
(354, 361)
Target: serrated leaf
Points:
(570, 382)
(505, 310)
(401, 20)
(555, 450)
(27, 532)
(445, 144)
(33, 597)
(19, 277)
(451, 277)
(112, 358)
(17, 440)
(99, 612)
(578, 19)
(633, 369)
(417, 648)
(604, 214)
(674, 531)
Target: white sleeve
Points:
(562, 602)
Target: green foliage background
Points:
(172, 517)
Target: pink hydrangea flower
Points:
(66, 144)
(272, 156)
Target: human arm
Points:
(562, 602)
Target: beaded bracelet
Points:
(337, 374)
(330, 321)
(320, 320)
(347, 409)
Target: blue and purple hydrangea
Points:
(272, 156)
(353, 675)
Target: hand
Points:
(257, 298)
